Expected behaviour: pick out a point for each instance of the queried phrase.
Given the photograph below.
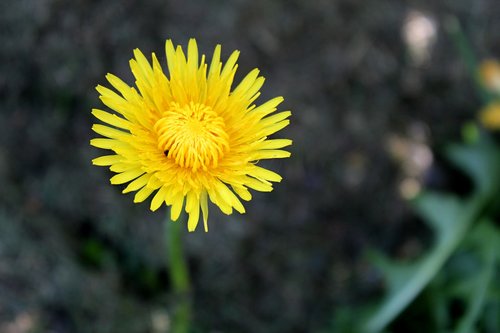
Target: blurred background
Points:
(374, 86)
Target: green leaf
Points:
(396, 273)
(486, 236)
(440, 211)
(481, 162)
(450, 218)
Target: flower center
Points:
(193, 135)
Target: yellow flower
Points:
(189, 138)
(489, 73)
(490, 116)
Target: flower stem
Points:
(452, 26)
(179, 277)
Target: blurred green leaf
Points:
(440, 211)
(450, 218)
(486, 236)
(481, 161)
(438, 299)
(490, 318)
(396, 273)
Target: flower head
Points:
(489, 74)
(187, 138)
(490, 116)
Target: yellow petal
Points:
(215, 64)
(274, 128)
(204, 209)
(122, 167)
(228, 196)
(268, 107)
(105, 143)
(265, 174)
(271, 153)
(145, 73)
(119, 85)
(175, 210)
(109, 132)
(169, 52)
(192, 58)
(230, 64)
(154, 183)
(194, 217)
(137, 183)
(258, 185)
(111, 119)
(247, 82)
(242, 192)
(218, 201)
(273, 144)
(276, 118)
(158, 199)
(143, 194)
(253, 92)
(107, 160)
(126, 176)
(193, 209)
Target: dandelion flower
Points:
(489, 73)
(490, 116)
(186, 138)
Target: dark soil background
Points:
(78, 256)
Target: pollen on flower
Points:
(193, 134)
(189, 137)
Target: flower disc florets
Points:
(193, 135)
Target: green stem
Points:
(453, 28)
(179, 276)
